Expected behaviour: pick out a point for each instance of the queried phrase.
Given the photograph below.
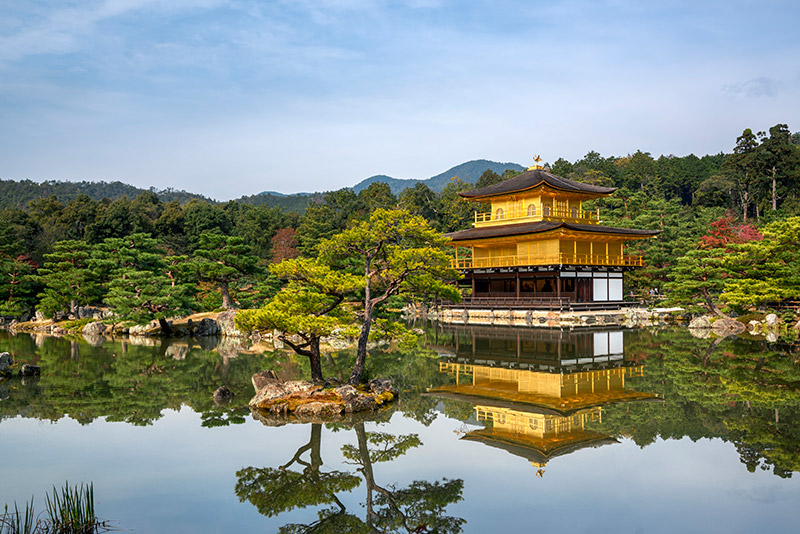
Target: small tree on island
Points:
(393, 252)
(397, 254)
(308, 307)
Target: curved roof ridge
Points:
(532, 178)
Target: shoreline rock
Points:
(306, 400)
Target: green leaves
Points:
(766, 271)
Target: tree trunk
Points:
(363, 338)
(312, 353)
(774, 190)
(366, 469)
(227, 302)
(711, 306)
(314, 360)
(165, 327)
(361, 351)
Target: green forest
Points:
(729, 225)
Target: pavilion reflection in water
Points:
(537, 391)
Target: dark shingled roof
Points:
(532, 178)
(506, 230)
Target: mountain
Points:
(469, 172)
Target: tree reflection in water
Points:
(419, 507)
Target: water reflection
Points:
(419, 507)
(130, 379)
(537, 391)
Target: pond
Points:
(497, 430)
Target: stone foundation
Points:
(627, 317)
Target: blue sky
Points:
(234, 97)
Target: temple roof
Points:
(539, 450)
(506, 230)
(532, 178)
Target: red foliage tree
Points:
(284, 245)
(724, 231)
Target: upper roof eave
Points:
(533, 178)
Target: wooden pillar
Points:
(558, 286)
(516, 283)
(472, 277)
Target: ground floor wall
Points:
(572, 284)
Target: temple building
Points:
(537, 245)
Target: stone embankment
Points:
(627, 317)
(769, 326)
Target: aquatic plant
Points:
(70, 510)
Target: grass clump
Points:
(70, 510)
(77, 324)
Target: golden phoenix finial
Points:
(536, 160)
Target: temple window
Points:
(500, 214)
(574, 212)
(531, 210)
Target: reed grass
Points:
(70, 510)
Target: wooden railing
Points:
(489, 217)
(521, 260)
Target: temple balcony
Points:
(563, 258)
(500, 216)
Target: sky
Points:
(233, 97)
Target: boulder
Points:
(6, 361)
(95, 341)
(318, 409)
(177, 352)
(139, 330)
(700, 322)
(223, 395)
(771, 319)
(380, 386)
(206, 327)
(227, 328)
(30, 370)
(772, 337)
(276, 390)
(700, 333)
(727, 327)
(354, 400)
(263, 378)
(94, 329)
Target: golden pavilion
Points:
(536, 245)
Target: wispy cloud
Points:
(755, 87)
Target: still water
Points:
(497, 430)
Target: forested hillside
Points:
(20, 193)
(729, 231)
